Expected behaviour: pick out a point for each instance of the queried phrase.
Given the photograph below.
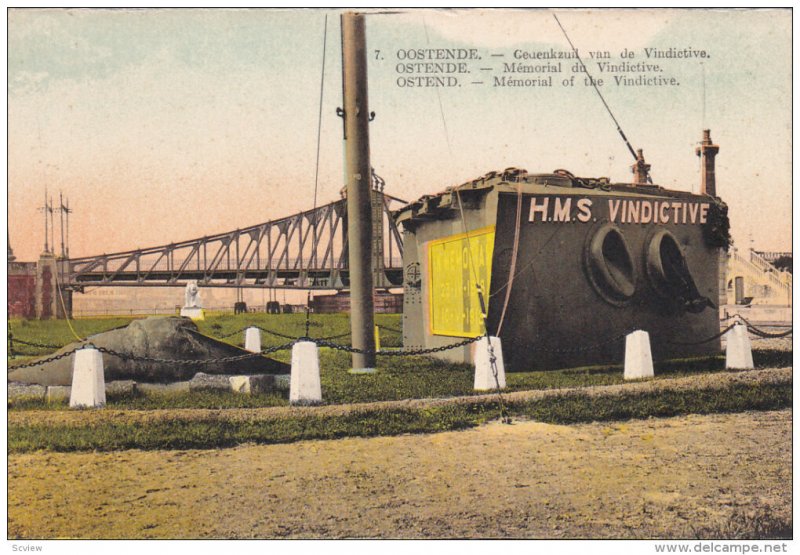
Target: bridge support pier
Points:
(50, 300)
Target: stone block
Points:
(283, 382)
(57, 393)
(638, 360)
(121, 387)
(305, 387)
(88, 379)
(202, 381)
(252, 340)
(252, 384)
(161, 388)
(26, 391)
(738, 353)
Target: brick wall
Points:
(21, 290)
(385, 303)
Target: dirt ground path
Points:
(718, 380)
(647, 478)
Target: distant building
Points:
(772, 256)
(751, 279)
(21, 288)
(384, 301)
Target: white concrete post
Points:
(304, 384)
(638, 360)
(88, 379)
(252, 340)
(484, 373)
(738, 354)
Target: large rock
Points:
(166, 338)
(57, 393)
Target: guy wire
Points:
(64, 308)
(319, 140)
(602, 99)
(319, 119)
(439, 98)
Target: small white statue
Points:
(192, 295)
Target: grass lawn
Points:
(398, 377)
(55, 332)
(218, 431)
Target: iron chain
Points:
(227, 335)
(130, 356)
(271, 332)
(44, 360)
(623, 335)
(712, 338)
(275, 333)
(325, 342)
(400, 352)
(235, 358)
(761, 333)
(585, 348)
(335, 336)
(34, 344)
(764, 335)
(15, 353)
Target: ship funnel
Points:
(640, 169)
(707, 151)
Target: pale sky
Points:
(163, 125)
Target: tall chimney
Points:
(707, 151)
(640, 169)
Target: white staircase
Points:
(760, 280)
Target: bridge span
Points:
(307, 250)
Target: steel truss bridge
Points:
(304, 251)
